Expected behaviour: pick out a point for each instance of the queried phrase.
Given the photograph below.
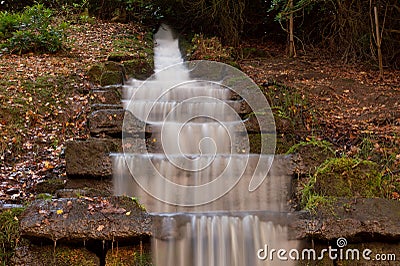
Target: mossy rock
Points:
(49, 186)
(120, 56)
(346, 177)
(94, 73)
(113, 67)
(111, 78)
(138, 68)
(78, 192)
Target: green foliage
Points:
(143, 11)
(31, 31)
(137, 201)
(325, 145)
(9, 233)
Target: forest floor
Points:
(45, 99)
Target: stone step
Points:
(157, 111)
(83, 219)
(358, 220)
(108, 122)
(107, 95)
(90, 158)
(97, 106)
(171, 90)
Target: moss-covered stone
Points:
(346, 177)
(120, 56)
(113, 67)
(94, 73)
(111, 78)
(138, 68)
(50, 186)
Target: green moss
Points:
(346, 177)
(138, 68)
(136, 200)
(50, 186)
(94, 73)
(111, 78)
(112, 66)
(9, 234)
(120, 56)
(342, 177)
(44, 196)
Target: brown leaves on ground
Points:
(348, 101)
(44, 102)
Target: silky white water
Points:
(199, 174)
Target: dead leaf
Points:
(100, 228)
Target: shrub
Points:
(31, 31)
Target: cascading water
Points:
(211, 202)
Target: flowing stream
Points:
(202, 139)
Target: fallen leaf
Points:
(100, 228)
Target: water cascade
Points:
(211, 202)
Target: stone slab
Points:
(83, 219)
(109, 122)
(90, 158)
(357, 220)
(107, 95)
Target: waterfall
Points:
(208, 195)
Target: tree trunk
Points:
(292, 51)
(378, 43)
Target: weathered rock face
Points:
(358, 220)
(90, 158)
(110, 122)
(82, 219)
